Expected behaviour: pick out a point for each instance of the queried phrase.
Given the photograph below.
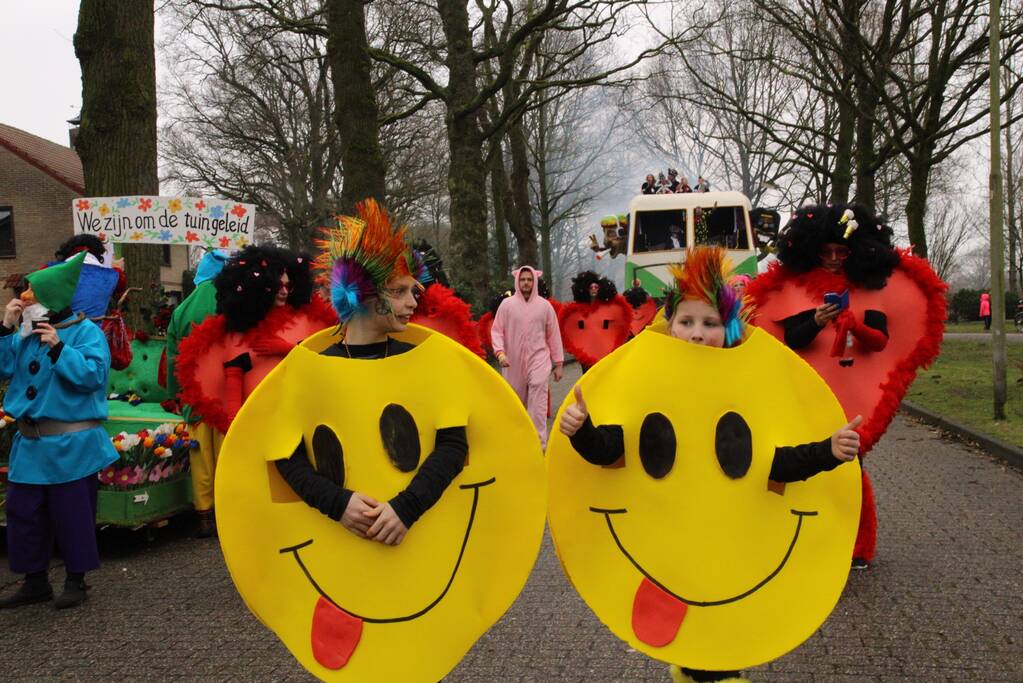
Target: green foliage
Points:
(964, 305)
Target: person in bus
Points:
(649, 185)
(676, 238)
(683, 186)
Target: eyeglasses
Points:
(836, 253)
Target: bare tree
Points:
(951, 224)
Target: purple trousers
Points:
(39, 513)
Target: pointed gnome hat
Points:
(54, 286)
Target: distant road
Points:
(1010, 337)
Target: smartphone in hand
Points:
(840, 300)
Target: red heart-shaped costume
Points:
(875, 381)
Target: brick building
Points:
(38, 181)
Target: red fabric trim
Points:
(205, 336)
(441, 310)
(572, 337)
(866, 535)
(894, 387)
(483, 326)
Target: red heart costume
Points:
(441, 310)
(869, 365)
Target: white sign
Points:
(192, 221)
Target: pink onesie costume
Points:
(527, 332)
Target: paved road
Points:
(943, 602)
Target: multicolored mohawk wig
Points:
(704, 276)
(361, 255)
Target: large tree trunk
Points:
(841, 175)
(467, 171)
(916, 204)
(525, 233)
(355, 109)
(866, 156)
(498, 191)
(117, 137)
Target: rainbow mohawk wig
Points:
(704, 276)
(360, 255)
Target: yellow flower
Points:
(241, 242)
(174, 205)
(104, 210)
(136, 236)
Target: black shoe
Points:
(206, 527)
(74, 594)
(28, 593)
(860, 563)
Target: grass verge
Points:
(959, 387)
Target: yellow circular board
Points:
(697, 568)
(351, 609)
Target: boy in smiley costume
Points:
(380, 494)
(683, 519)
(58, 366)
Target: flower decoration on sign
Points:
(174, 205)
(241, 243)
(200, 205)
(82, 204)
(123, 203)
(225, 242)
(145, 204)
(191, 236)
(104, 209)
(217, 211)
(166, 235)
(238, 210)
(135, 236)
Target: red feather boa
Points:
(442, 311)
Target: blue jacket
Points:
(68, 386)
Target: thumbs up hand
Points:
(845, 443)
(575, 415)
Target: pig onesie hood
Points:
(527, 332)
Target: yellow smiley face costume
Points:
(684, 562)
(351, 609)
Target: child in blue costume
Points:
(58, 366)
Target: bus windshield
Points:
(723, 226)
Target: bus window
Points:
(723, 226)
(660, 230)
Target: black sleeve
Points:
(433, 477)
(800, 329)
(4, 330)
(54, 352)
(795, 463)
(315, 489)
(602, 445)
(877, 320)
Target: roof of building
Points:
(59, 162)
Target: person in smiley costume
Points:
(864, 314)
(380, 495)
(707, 520)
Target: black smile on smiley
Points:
(415, 615)
(703, 603)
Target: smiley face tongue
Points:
(656, 615)
(335, 634)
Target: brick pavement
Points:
(943, 602)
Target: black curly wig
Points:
(581, 287)
(873, 256)
(636, 296)
(72, 246)
(247, 286)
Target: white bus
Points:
(661, 226)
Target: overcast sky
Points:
(40, 78)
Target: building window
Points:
(7, 232)
(165, 255)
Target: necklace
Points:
(387, 346)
